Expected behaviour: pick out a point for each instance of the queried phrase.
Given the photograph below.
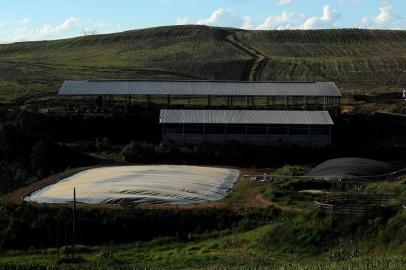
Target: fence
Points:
(355, 203)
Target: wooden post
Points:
(57, 236)
(66, 241)
(73, 223)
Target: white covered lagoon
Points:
(152, 184)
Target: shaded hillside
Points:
(358, 60)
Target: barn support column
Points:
(188, 101)
(247, 102)
(329, 135)
(267, 134)
(183, 133)
(209, 101)
(267, 102)
(168, 101)
(324, 103)
(163, 133)
(286, 102)
(204, 133)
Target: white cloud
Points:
(287, 20)
(327, 20)
(71, 27)
(2, 24)
(357, 2)
(44, 32)
(354, 2)
(222, 17)
(248, 24)
(24, 21)
(385, 19)
(284, 2)
(182, 21)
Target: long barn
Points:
(304, 128)
(195, 112)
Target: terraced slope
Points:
(358, 60)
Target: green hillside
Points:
(360, 61)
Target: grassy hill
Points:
(360, 61)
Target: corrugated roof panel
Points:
(199, 88)
(245, 117)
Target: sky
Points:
(32, 20)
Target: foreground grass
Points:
(237, 250)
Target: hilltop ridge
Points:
(360, 61)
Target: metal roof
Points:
(245, 117)
(199, 88)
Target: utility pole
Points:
(73, 223)
(57, 235)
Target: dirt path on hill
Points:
(255, 70)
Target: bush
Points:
(103, 144)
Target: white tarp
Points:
(166, 184)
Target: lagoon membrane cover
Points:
(351, 168)
(163, 184)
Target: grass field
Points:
(228, 250)
(298, 237)
(359, 61)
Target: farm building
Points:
(112, 94)
(306, 128)
(195, 112)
